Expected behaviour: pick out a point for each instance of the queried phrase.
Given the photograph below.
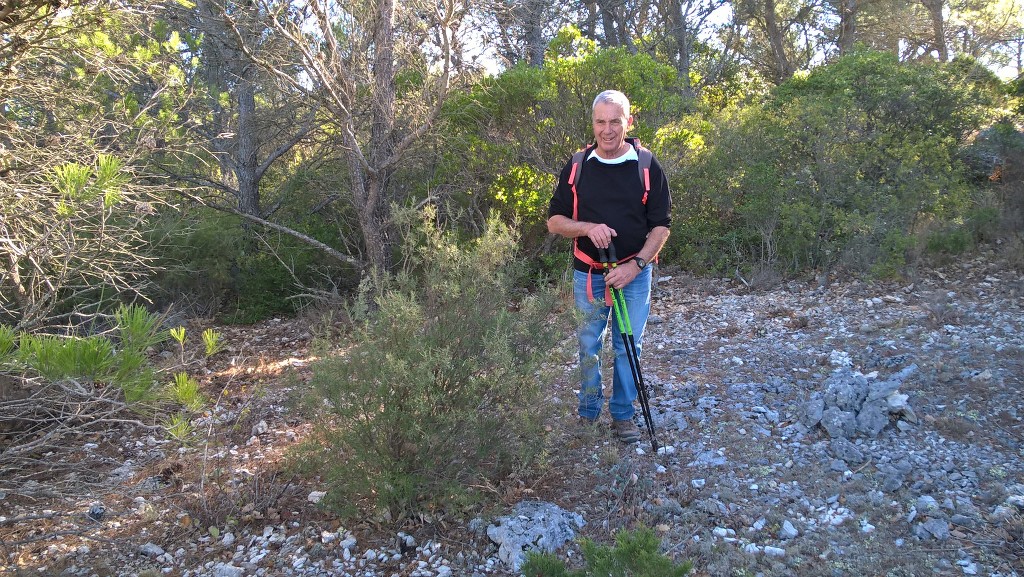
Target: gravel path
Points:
(934, 488)
(853, 429)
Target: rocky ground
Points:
(855, 428)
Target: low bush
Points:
(441, 391)
(634, 553)
(117, 360)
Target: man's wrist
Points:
(640, 262)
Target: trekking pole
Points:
(626, 332)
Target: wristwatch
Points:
(640, 262)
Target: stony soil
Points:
(746, 483)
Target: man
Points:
(608, 202)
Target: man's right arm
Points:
(600, 234)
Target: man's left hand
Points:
(621, 275)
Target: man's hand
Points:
(621, 275)
(601, 235)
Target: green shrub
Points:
(845, 165)
(55, 358)
(211, 342)
(634, 553)
(951, 242)
(983, 222)
(136, 377)
(117, 361)
(138, 328)
(185, 391)
(441, 391)
(95, 358)
(178, 427)
(234, 271)
(544, 565)
(195, 255)
(8, 342)
(890, 259)
(260, 287)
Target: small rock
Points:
(927, 505)
(96, 512)
(788, 531)
(227, 570)
(936, 528)
(844, 449)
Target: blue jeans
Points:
(596, 319)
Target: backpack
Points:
(645, 157)
(643, 167)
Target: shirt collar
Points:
(626, 157)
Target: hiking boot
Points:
(625, 431)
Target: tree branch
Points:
(326, 249)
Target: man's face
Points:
(610, 126)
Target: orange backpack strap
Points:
(578, 158)
(645, 157)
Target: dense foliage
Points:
(786, 155)
(855, 164)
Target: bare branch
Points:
(341, 257)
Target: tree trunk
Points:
(378, 240)
(533, 26)
(246, 161)
(374, 215)
(777, 42)
(589, 26)
(607, 9)
(934, 8)
(681, 42)
(847, 26)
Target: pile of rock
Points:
(535, 526)
(853, 404)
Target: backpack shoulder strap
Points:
(578, 158)
(645, 157)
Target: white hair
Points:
(613, 97)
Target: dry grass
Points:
(956, 427)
